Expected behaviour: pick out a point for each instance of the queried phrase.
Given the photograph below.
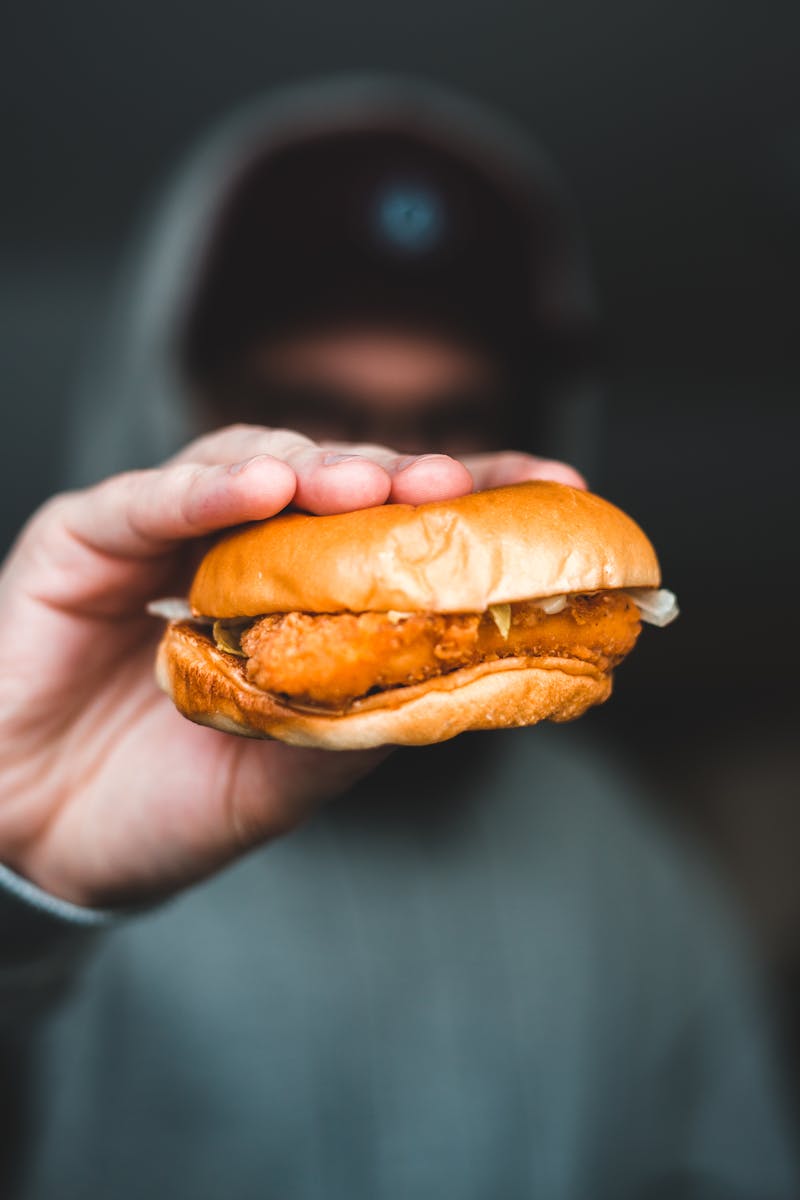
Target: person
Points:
(484, 970)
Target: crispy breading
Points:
(332, 659)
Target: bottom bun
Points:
(210, 687)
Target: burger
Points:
(407, 624)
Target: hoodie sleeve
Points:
(43, 943)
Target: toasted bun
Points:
(210, 687)
(493, 547)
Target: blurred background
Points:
(678, 130)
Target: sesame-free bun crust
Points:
(211, 688)
(493, 547)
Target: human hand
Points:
(107, 795)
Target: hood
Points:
(132, 407)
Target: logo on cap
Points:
(409, 217)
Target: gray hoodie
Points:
(486, 973)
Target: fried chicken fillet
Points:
(332, 659)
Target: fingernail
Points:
(410, 459)
(237, 468)
(330, 460)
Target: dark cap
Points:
(390, 217)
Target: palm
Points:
(146, 795)
(192, 799)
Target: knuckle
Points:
(52, 515)
(283, 434)
(288, 444)
(117, 489)
(242, 429)
(123, 482)
(53, 508)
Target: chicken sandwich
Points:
(409, 625)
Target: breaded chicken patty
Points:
(333, 659)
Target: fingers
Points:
(325, 481)
(498, 470)
(143, 513)
(207, 488)
(338, 476)
(430, 477)
(414, 478)
(246, 473)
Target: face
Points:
(412, 391)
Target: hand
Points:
(107, 795)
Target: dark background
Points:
(678, 128)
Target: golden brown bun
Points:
(493, 547)
(210, 687)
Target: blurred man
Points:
(483, 973)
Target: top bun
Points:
(494, 547)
